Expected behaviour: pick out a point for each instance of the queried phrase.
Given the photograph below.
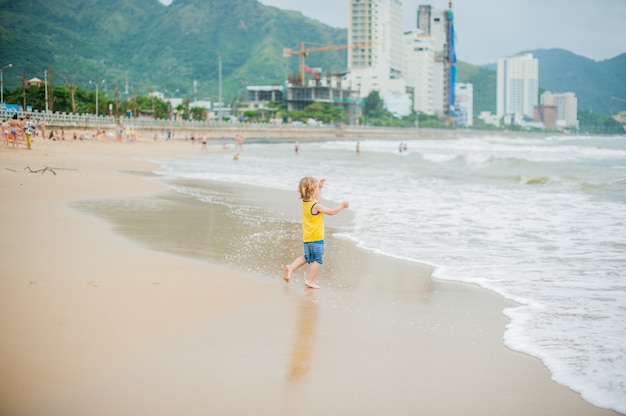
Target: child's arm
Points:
(325, 210)
(330, 211)
(321, 183)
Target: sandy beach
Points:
(103, 314)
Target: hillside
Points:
(166, 48)
(599, 86)
(484, 82)
(159, 47)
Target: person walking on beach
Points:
(29, 128)
(313, 212)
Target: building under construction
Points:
(300, 92)
(298, 97)
(439, 24)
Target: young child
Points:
(312, 229)
(29, 129)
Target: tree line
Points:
(71, 98)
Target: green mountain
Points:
(152, 47)
(599, 86)
(157, 47)
(484, 86)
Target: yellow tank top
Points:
(312, 224)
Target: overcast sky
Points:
(489, 29)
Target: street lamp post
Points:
(2, 82)
(45, 76)
(96, 96)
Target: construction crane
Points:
(304, 52)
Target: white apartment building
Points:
(566, 105)
(377, 66)
(419, 63)
(434, 23)
(464, 104)
(517, 86)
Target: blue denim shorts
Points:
(314, 251)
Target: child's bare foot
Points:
(287, 274)
(311, 285)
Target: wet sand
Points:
(119, 296)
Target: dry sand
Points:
(95, 323)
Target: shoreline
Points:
(259, 132)
(97, 323)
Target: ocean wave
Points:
(536, 180)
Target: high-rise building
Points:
(419, 62)
(377, 65)
(517, 86)
(566, 105)
(439, 25)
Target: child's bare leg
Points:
(310, 277)
(290, 268)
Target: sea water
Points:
(541, 221)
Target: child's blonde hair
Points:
(307, 187)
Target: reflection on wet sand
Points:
(304, 340)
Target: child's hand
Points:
(322, 182)
(345, 204)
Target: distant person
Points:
(14, 130)
(29, 129)
(238, 143)
(297, 148)
(5, 131)
(310, 190)
(358, 148)
(203, 140)
(42, 127)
